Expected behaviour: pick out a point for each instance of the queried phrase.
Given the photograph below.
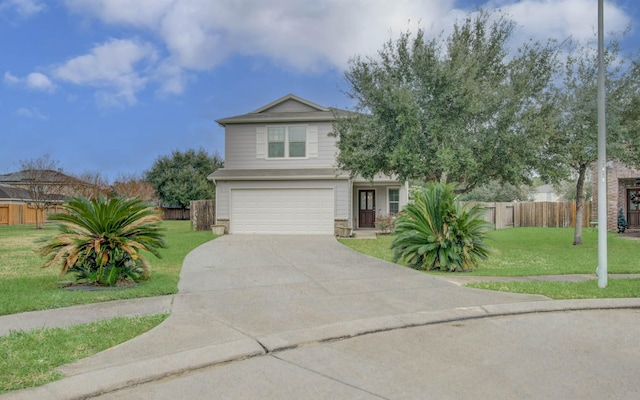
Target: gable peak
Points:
(274, 106)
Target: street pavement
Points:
(305, 317)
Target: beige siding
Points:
(242, 149)
(290, 106)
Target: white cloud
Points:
(25, 8)
(300, 35)
(560, 19)
(306, 35)
(35, 81)
(117, 67)
(31, 113)
(11, 79)
(38, 81)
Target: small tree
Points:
(102, 240)
(90, 185)
(46, 183)
(131, 185)
(437, 232)
(572, 147)
(622, 222)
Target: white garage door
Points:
(298, 211)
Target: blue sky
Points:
(110, 85)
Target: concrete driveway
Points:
(244, 297)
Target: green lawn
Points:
(29, 359)
(534, 251)
(25, 286)
(616, 288)
(542, 251)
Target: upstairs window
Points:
(276, 142)
(287, 142)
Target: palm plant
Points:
(438, 232)
(101, 240)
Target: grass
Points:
(534, 251)
(616, 288)
(29, 359)
(25, 286)
(542, 251)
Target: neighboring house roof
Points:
(46, 175)
(12, 192)
(278, 111)
(280, 174)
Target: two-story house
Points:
(280, 175)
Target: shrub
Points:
(438, 232)
(101, 240)
(386, 223)
(622, 222)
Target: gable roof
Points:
(47, 175)
(289, 108)
(14, 193)
(287, 98)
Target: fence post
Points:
(202, 214)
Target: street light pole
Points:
(602, 157)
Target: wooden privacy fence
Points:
(560, 214)
(202, 214)
(174, 213)
(22, 214)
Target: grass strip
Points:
(29, 358)
(616, 288)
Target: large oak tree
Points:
(461, 108)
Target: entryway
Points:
(367, 208)
(633, 208)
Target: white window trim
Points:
(389, 198)
(286, 142)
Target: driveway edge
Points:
(111, 379)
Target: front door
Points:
(633, 208)
(367, 209)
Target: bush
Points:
(386, 223)
(437, 232)
(101, 240)
(622, 222)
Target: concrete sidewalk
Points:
(246, 296)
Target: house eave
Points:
(280, 178)
(276, 174)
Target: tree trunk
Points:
(37, 219)
(577, 235)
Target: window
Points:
(297, 141)
(287, 142)
(276, 142)
(394, 201)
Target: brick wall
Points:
(619, 178)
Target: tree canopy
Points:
(572, 146)
(182, 176)
(457, 109)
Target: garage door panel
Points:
(297, 211)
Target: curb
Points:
(111, 379)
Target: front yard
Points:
(29, 358)
(25, 286)
(541, 251)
